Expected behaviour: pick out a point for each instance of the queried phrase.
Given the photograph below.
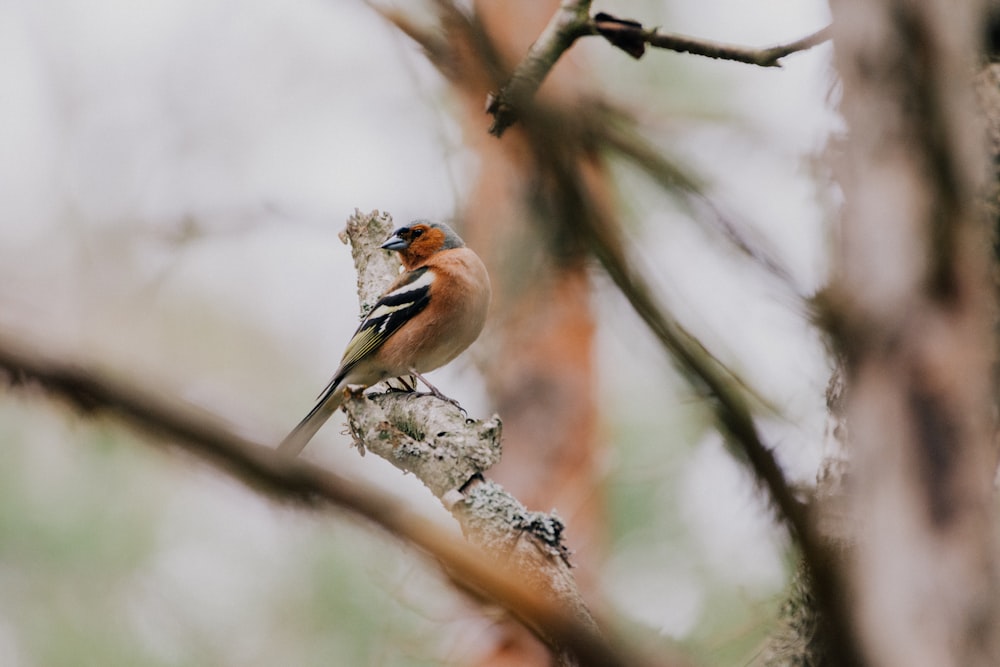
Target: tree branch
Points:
(615, 130)
(558, 156)
(736, 422)
(630, 34)
(433, 440)
(572, 20)
(174, 425)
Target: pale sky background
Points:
(262, 125)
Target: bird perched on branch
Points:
(427, 317)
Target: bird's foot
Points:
(434, 391)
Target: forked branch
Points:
(572, 21)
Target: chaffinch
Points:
(427, 317)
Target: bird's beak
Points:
(395, 242)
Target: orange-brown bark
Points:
(539, 363)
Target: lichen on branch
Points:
(449, 453)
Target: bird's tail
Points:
(300, 436)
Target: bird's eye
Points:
(416, 232)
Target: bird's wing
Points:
(407, 297)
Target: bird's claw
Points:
(435, 392)
(448, 399)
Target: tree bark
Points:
(910, 310)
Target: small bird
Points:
(428, 316)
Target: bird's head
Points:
(421, 239)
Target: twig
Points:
(630, 36)
(572, 21)
(736, 421)
(707, 375)
(603, 125)
(615, 130)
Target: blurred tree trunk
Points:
(911, 310)
(541, 370)
(539, 363)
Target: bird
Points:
(428, 316)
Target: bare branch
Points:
(616, 130)
(765, 57)
(732, 414)
(572, 21)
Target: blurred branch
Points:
(572, 20)
(615, 130)
(724, 395)
(723, 392)
(707, 375)
(174, 425)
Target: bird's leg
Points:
(409, 384)
(436, 392)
